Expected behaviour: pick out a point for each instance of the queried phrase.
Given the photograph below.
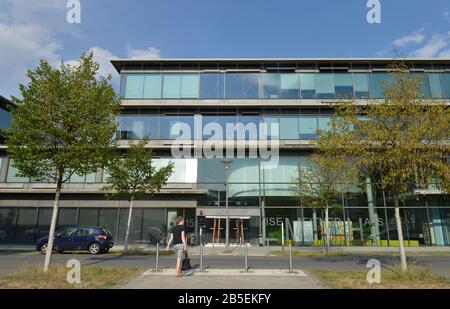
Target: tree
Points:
(135, 174)
(320, 183)
(63, 125)
(400, 142)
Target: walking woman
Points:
(178, 236)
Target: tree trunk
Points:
(51, 234)
(401, 245)
(128, 224)
(327, 236)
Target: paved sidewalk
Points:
(224, 279)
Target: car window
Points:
(106, 231)
(68, 232)
(85, 231)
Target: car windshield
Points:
(106, 231)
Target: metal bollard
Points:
(290, 259)
(201, 256)
(157, 257)
(246, 258)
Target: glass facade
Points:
(252, 85)
(171, 127)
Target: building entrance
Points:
(214, 230)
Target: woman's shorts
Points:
(179, 249)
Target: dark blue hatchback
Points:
(91, 238)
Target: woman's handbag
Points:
(186, 264)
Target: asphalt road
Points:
(10, 262)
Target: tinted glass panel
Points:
(307, 86)
(5, 118)
(172, 86)
(88, 216)
(289, 85)
(324, 122)
(308, 127)
(378, 83)
(108, 219)
(175, 126)
(324, 86)
(289, 127)
(12, 174)
(361, 85)
(434, 80)
(272, 129)
(190, 86)
(67, 217)
(425, 91)
(343, 85)
(211, 86)
(25, 230)
(271, 82)
(135, 86)
(446, 84)
(242, 85)
(8, 217)
(152, 86)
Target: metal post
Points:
(226, 164)
(282, 236)
(246, 258)
(157, 257)
(290, 258)
(201, 256)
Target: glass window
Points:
(190, 86)
(172, 86)
(434, 79)
(324, 122)
(210, 126)
(251, 127)
(271, 83)
(75, 178)
(8, 218)
(308, 127)
(289, 127)
(136, 225)
(446, 84)
(153, 224)
(131, 127)
(361, 85)
(90, 178)
(272, 126)
(324, 86)
(152, 86)
(43, 222)
(67, 217)
(242, 85)
(108, 219)
(343, 85)
(25, 229)
(211, 86)
(307, 86)
(284, 172)
(378, 84)
(88, 216)
(12, 174)
(425, 91)
(135, 86)
(5, 118)
(230, 121)
(172, 126)
(289, 85)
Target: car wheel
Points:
(43, 248)
(94, 248)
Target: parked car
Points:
(91, 238)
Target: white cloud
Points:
(149, 53)
(436, 46)
(406, 40)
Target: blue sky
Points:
(35, 29)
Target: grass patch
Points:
(308, 253)
(143, 251)
(55, 278)
(17, 250)
(417, 277)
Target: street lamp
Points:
(226, 164)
